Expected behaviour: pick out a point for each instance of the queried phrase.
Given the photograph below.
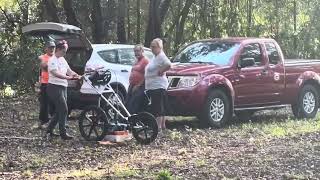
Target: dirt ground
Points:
(185, 151)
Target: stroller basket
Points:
(100, 78)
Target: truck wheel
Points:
(217, 109)
(244, 114)
(308, 103)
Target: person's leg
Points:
(155, 106)
(163, 122)
(43, 115)
(163, 103)
(54, 96)
(51, 107)
(63, 113)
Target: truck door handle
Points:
(124, 70)
(264, 72)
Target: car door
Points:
(275, 79)
(249, 82)
(80, 48)
(126, 60)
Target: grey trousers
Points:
(58, 96)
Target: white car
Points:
(118, 58)
(82, 55)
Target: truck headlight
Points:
(188, 81)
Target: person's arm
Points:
(57, 74)
(72, 73)
(164, 67)
(43, 64)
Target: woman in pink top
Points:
(135, 101)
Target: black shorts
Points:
(159, 102)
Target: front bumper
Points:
(187, 101)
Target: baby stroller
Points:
(95, 122)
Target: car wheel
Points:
(217, 110)
(244, 114)
(307, 104)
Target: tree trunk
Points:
(97, 22)
(128, 22)
(138, 30)
(157, 12)
(183, 16)
(51, 10)
(70, 14)
(121, 30)
(249, 17)
(215, 29)
(295, 25)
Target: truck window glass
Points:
(272, 52)
(109, 56)
(212, 52)
(252, 51)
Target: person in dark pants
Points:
(136, 98)
(59, 73)
(46, 106)
(156, 82)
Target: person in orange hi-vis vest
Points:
(46, 106)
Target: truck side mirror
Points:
(246, 62)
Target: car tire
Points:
(244, 115)
(307, 104)
(217, 110)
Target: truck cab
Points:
(215, 78)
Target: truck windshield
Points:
(211, 52)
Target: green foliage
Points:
(206, 19)
(164, 175)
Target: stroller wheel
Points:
(144, 127)
(93, 123)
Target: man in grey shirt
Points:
(156, 82)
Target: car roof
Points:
(100, 47)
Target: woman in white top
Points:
(59, 73)
(156, 82)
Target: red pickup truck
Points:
(212, 79)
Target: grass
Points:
(86, 173)
(164, 175)
(122, 170)
(36, 161)
(289, 127)
(27, 173)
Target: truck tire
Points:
(217, 110)
(244, 115)
(307, 104)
